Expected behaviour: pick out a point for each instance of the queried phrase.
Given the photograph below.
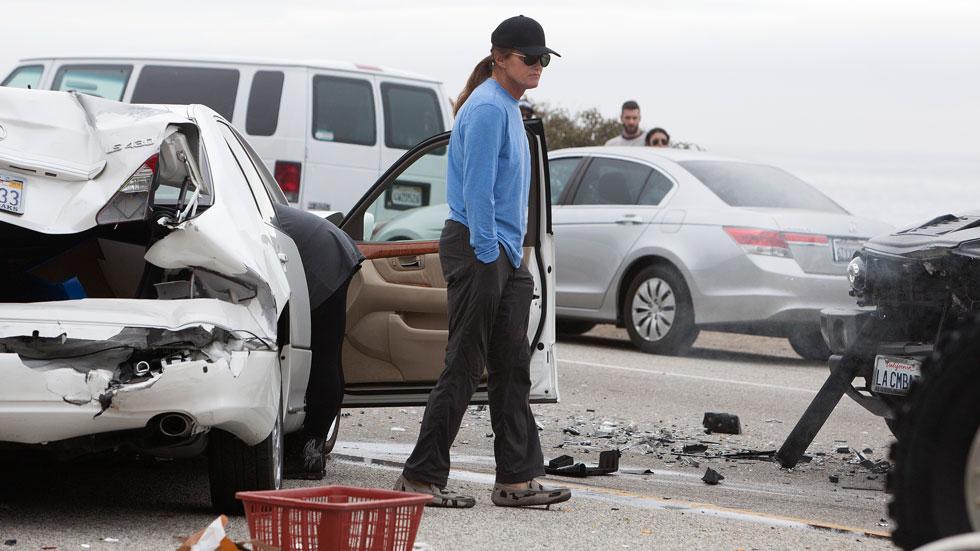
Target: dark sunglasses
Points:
(660, 141)
(530, 60)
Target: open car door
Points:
(397, 321)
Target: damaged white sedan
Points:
(149, 300)
(141, 288)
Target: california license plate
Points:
(894, 375)
(844, 249)
(406, 196)
(12, 193)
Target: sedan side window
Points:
(658, 186)
(413, 206)
(612, 182)
(561, 171)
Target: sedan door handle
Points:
(630, 219)
(410, 262)
(283, 258)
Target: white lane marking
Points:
(622, 497)
(693, 377)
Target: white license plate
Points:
(894, 375)
(406, 196)
(12, 193)
(844, 249)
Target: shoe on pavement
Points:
(305, 459)
(441, 497)
(534, 493)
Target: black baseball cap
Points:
(522, 34)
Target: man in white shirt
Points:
(632, 134)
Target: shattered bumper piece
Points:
(565, 465)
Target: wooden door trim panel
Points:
(398, 248)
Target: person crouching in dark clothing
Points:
(330, 259)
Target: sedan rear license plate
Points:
(12, 193)
(894, 375)
(844, 249)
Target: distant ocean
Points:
(900, 189)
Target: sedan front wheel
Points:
(658, 313)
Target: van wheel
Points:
(809, 344)
(234, 466)
(572, 327)
(658, 313)
(935, 482)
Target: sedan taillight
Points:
(133, 198)
(770, 242)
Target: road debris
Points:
(695, 448)
(565, 465)
(11, 542)
(834, 479)
(712, 477)
(725, 423)
(843, 449)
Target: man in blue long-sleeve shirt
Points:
(489, 288)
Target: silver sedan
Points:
(666, 242)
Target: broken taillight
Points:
(759, 241)
(288, 174)
(133, 198)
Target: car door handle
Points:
(410, 262)
(283, 258)
(630, 219)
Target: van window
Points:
(27, 76)
(343, 111)
(411, 114)
(104, 81)
(264, 98)
(215, 88)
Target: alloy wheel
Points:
(972, 480)
(653, 310)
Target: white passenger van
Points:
(326, 130)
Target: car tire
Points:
(573, 327)
(935, 482)
(658, 312)
(234, 466)
(808, 342)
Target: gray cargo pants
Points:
(488, 316)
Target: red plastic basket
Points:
(334, 518)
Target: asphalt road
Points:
(612, 397)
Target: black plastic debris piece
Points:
(565, 465)
(834, 478)
(868, 450)
(695, 448)
(725, 423)
(571, 430)
(844, 449)
(712, 477)
(766, 455)
(11, 542)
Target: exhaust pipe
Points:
(174, 425)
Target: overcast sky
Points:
(849, 76)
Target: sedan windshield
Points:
(753, 185)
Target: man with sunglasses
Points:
(489, 288)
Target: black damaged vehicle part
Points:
(935, 482)
(565, 465)
(910, 287)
